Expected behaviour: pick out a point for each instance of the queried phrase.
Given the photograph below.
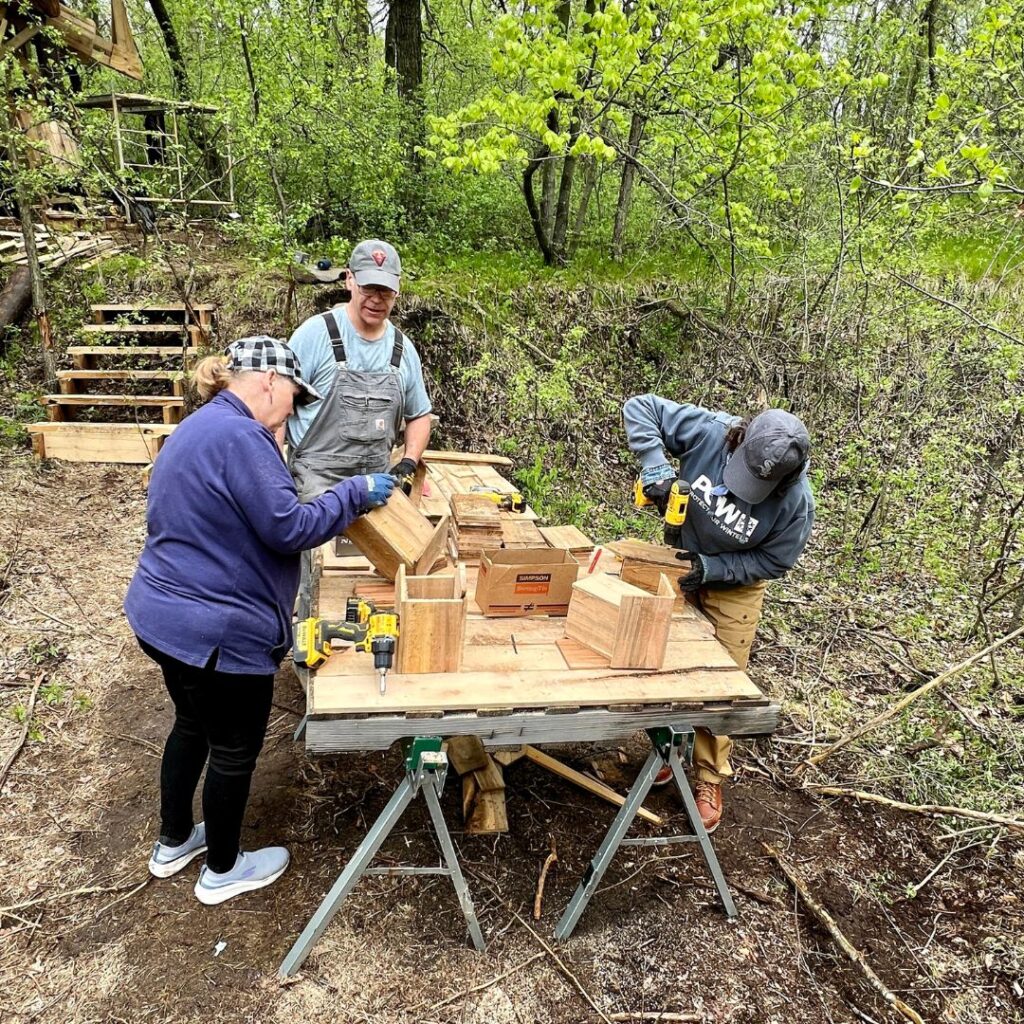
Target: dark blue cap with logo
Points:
(774, 449)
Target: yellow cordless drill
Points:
(366, 628)
(508, 502)
(675, 507)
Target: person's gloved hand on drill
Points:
(403, 472)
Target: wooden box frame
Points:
(620, 621)
(398, 534)
(431, 622)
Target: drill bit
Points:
(383, 680)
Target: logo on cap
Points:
(379, 256)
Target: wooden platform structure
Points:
(118, 352)
(522, 681)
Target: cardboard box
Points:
(526, 581)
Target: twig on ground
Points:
(25, 727)
(825, 919)
(656, 1015)
(565, 970)
(488, 983)
(148, 744)
(932, 810)
(900, 705)
(88, 890)
(538, 900)
(124, 896)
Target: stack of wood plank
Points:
(477, 525)
(517, 532)
(569, 538)
(56, 248)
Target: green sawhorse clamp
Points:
(426, 766)
(668, 743)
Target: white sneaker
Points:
(169, 860)
(251, 871)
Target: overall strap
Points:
(396, 352)
(335, 334)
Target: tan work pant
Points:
(734, 613)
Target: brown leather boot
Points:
(709, 804)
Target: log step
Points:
(99, 442)
(173, 375)
(149, 401)
(118, 308)
(131, 350)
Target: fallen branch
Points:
(932, 810)
(900, 705)
(825, 919)
(538, 900)
(565, 970)
(25, 727)
(488, 983)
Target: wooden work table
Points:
(522, 681)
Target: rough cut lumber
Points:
(520, 533)
(648, 576)
(99, 442)
(598, 789)
(469, 458)
(466, 753)
(159, 401)
(486, 811)
(569, 538)
(342, 694)
(641, 550)
(624, 623)
(398, 534)
(431, 622)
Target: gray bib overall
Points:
(356, 427)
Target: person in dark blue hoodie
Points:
(211, 600)
(749, 518)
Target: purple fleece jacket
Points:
(220, 569)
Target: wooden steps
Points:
(169, 333)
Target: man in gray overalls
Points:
(370, 375)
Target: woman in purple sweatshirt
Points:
(211, 600)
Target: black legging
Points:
(223, 716)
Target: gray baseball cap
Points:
(376, 262)
(775, 446)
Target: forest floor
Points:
(936, 910)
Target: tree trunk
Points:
(562, 208)
(211, 158)
(636, 131)
(403, 47)
(928, 19)
(15, 296)
(536, 217)
(548, 181)
(589, 181)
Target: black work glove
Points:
(692, 580)
(658, 493)
(403, 472)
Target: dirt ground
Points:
(86, 935)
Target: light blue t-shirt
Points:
(312, 344)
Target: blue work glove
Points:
(379, 487)
(691, 581)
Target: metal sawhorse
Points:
(426, 766)
(668, 743)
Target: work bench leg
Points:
(683, 785)
(444, 838)
(348, 878)
(595, 872)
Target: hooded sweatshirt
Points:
(738, 542)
